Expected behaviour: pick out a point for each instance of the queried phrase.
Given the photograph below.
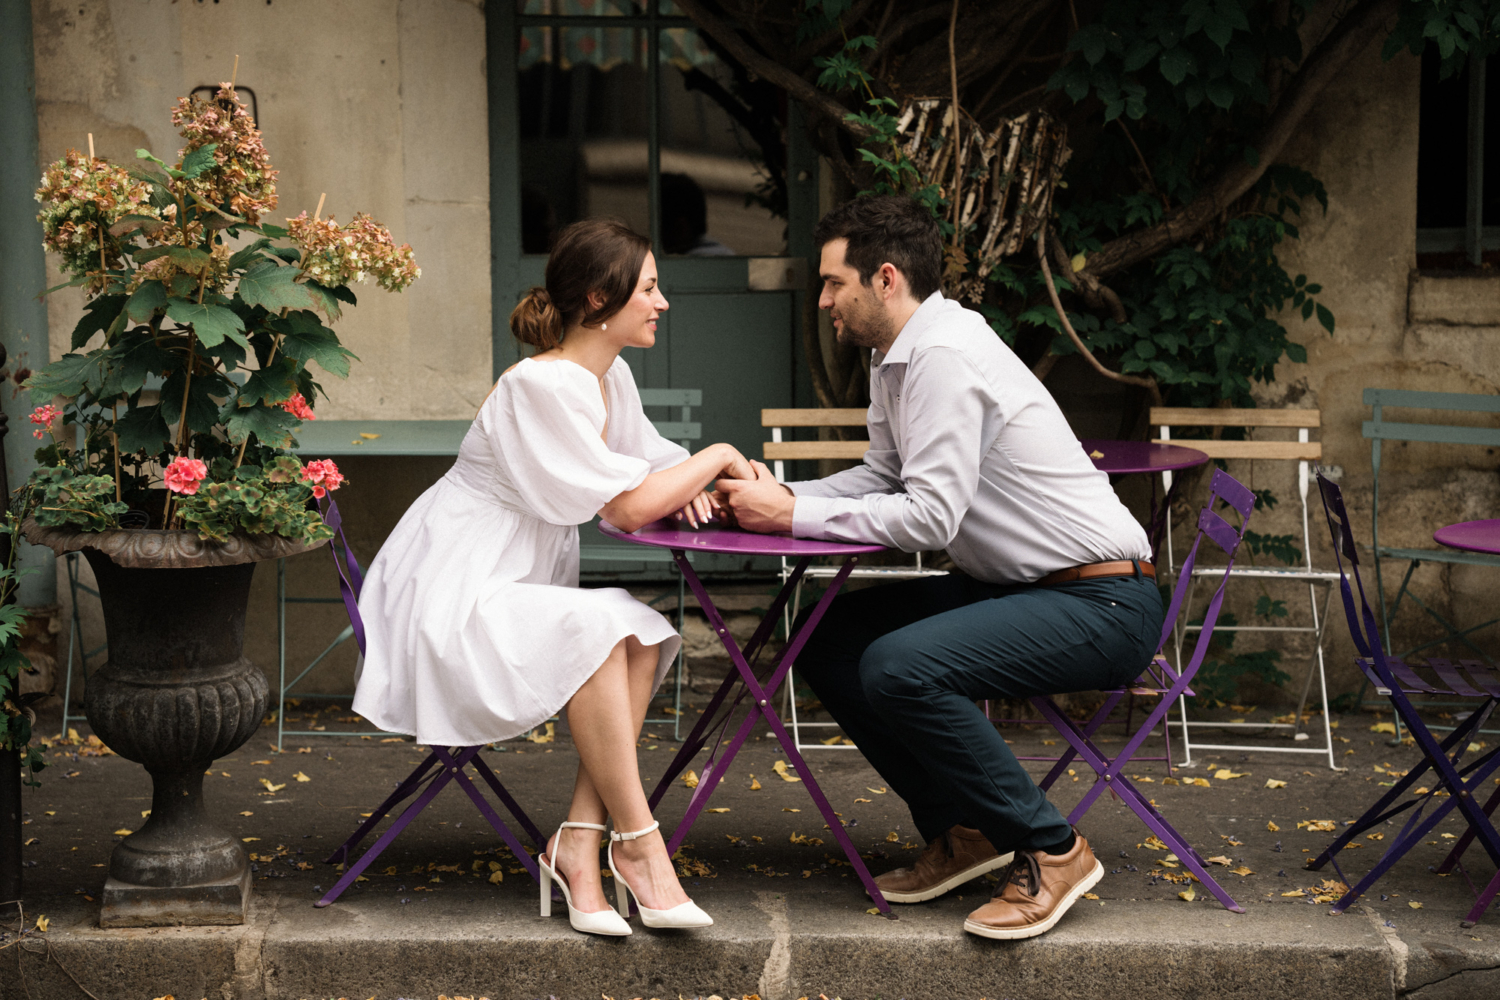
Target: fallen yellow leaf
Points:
(720, 809)
(301, 777)
(388, 739)
(1273, 783)
(1271, 825)
(1414, 905)
(249, 840)
(1374, 836)
(368, 436)
(755, 784)
(1317, 825)
(1200, 782)
(496, 877)
(1090, 895)
(145, 813)
(122, 832)
(1187, 896)
(43, 922)
(1154, 843)
(873, 912)
(1225, 774)
(1221, 860)
(1384, 727)
(255, 762)
(893, 837)
(51, 812)
(1422, 791)
(780, 768)
(690, 779)
(858, 801)
(1242, 870)
(1095, 453)
(788, 809)
(1294, 892)
(877, 791)
(831, 740)
(539, 736)
(270, 787)
(247, 812)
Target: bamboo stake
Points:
(318, 212)
(236, 74)
(114, 438)
(91, 147)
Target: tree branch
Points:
(1352, 36)
(770, 70)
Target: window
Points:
(626, 110)
(1458, 166)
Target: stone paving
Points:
(791, 920)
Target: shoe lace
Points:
(1023, 872)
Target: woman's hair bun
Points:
(536, 321)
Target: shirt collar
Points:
(913, 332)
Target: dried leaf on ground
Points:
(893, 837)
(1384, 727)
(1273, 783)
(301, 777)
(1294, 893)
(1271, 826)
(1317, 825)
(858, 801)
(1154, 843)
(718, 809)
(270, 787)
(754, 785)
(877, 791)
(780, 768)
(1375, 836)
(1200, 782)
(122, 832)
(1242, 871)
(1225, 774)
(539, 735)
(1221, 860)
(1187, 895)
(789, 809)
(1090, 895)
(42, 923)
(1414, 905)
(690, 779)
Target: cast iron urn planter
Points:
(176, 693)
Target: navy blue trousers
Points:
(901, 666)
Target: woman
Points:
(477, 630)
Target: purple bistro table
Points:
(1122, 458)
(714, 724)
(1471, 536)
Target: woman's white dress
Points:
(476, 629)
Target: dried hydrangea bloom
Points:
(81, 198)
(212, 275)
(334, 255)
(242, 177)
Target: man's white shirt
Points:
(969, 453)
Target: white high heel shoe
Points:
(682, 915)
(606, 921)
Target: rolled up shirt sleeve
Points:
(912, 497)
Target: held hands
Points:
(699, 510)
(759, 503)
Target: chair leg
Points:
(1486, 897)
(403, 791)
(353, 871)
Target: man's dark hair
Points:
(888, 229)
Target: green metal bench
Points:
(1379, 430)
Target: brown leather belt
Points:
(1098, 571)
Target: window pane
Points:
(1442, 147)
(580, 8)
(582, 120)
(723, 154)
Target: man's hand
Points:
(759, 504)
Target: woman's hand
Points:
(699, 510)
(735, 465)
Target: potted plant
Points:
(170, 463)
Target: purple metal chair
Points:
(1160, 680)
(1453, 786)
(442, 766)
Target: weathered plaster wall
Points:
(1395, 329)
(379, 103)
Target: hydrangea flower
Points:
(324, 475)
(297, 407)
(242, 176)
(334, 255)
(184, 475)
(81, 197)
(43, 416)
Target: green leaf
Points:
(326, 299)
(271, 425)
(274, 288)
(1325, 317)
(305, 339)
(133, 363)
(202, 404)
(245, 256)
(1175, 64)
(198, 160)
(190, 258)
(142, 429)
(273, 384)
(66, 376)
(273, 231)
(211, 324)
(151, 296)
(1219, 92)
(145, 154)
(97, 317)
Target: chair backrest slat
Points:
(834, 417)
(1198, 416)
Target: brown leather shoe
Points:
(1035, 892)
(949, 861)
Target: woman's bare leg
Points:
(605, 717)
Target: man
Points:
(1052, 591)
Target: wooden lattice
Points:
(1008, 177)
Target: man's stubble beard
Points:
(870, 329)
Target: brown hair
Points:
(594, 256)
(888, 229)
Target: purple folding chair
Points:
(1453, 786)
(441, 767)
(1162, 681)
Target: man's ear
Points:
(887, 280)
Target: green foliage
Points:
(1461, 30)
(273, 500)
(1282, 548)
(1218, 679)
(57, 497)
(15, 722)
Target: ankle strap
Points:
(617, 835)
(582, 826)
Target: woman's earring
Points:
(604, 326)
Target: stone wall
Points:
(380, 104)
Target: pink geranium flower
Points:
(184, 475)
(324, 475)
(43, 416)
(297, 407)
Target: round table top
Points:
(1472, 536)
(1121, 457)
(670, 534)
